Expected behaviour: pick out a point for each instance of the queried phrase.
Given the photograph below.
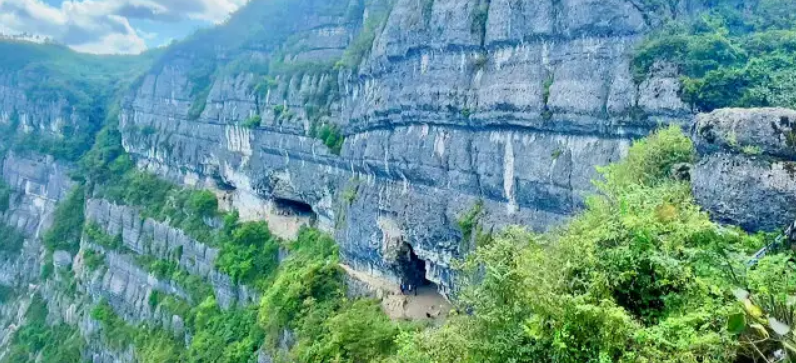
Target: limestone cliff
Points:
(458, 101)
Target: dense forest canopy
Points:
(733, 55)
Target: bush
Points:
(249, 253)
(67, 223)
(202, 203)
(650, 161)
(224, 336)
(92, 260)
(253, 122)
(331, 137)
(95, 234)
(360, 332)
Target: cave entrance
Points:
(288, 207)
(413, 269)
(286, 217)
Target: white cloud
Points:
(113, 43)
(102, 26)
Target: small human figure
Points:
(403, 288)
(409, 288)
(415, 290)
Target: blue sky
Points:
(112, 26)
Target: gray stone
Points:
(771, 130)
(62, 259)
(756, 191)
(436, 119)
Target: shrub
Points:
(332, 137)
(279, 110)
(249, 253)
(224, 336)
(202, 203)
(252, 122)
(67, 223)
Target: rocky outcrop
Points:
(146, 236)
(47, 113)
(746, 174)
(38, 183)
(510, 103)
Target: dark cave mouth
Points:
(293, 207)
(412, 269)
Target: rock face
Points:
(746, 174)
(37, 184)
(129, 289)
(159, 240)
(511, 103)
(30, 113)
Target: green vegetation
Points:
(194, 285)
(472, 231)
(95, 234)
(6, 294)
(5, 196)
(93, 259)
(67, 223)
(264, 84)
(228, 336)
(752, 150)
(308, 297)
(730, 57)
(11, 240)
(332, 137)
(279, 110)
(87, 83)
(249, 252)
(161, 200)
(641, 276)
(253, 122)
(152, 345)
(38, 339)
(361, 45)
(556, 154)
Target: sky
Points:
(112, 26)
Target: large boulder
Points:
(746, 174)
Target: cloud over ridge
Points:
(104, 26)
